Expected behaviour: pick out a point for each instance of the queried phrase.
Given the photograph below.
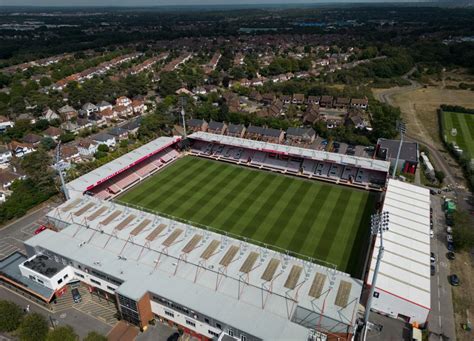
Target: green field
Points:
(316, 219)
(464, 124)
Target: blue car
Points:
(450, 246)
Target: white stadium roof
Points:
(405, 266)
(78, 186)
(152, 251)
(357, 161)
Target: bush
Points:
(103, 148)
(463, 233)
(63, 333)
(94, 336)
(10, 316)
(34, 327)
(440, 176)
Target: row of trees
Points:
(34, 326)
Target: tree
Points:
(463, 233)
(48, 143)
(10, 316)
(66, 137)
(103, 148)
(63, 333)
(94, 336)
(440, 176)
(34, 327)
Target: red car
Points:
(40, 229)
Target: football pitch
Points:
(464, 125)
(315, 219)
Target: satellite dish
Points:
(454, 132)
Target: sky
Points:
(174, 2)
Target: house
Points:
(20, 149)
(69, 153)
(361, 103)
(87, 147)
(300, 135)
(5, 154)
(298, 99)
(49, 115)
(7, 178)
(268, 98)
(109, 114)
(138, 106)
(5, 123)
(356, 119)
(53, 132)
(123, 111)
(217, 127)
(311, 114)
(326, 101)
(104, 138)
(286, 99)
(132, 126)
(83, 123)
(255, 96)
(195, 124)
(236, 130)
(255, 132)
(245, 82)
(409, 154)
(273, 135)
(89, 108)
(276, 109)
(102, 105)
(96, 119)
(312, 100)
(118, 133)
(32, 139)
(70, 127)
(67, 112)
(26, 117)
(125, 101)
(342, 103)
(184, 91)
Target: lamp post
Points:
(401, 129)
(378, 224)
(59, 168)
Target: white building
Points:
(404, 281)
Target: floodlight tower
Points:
(183, 114)
(378, 224)
(401, 129)
(59, 168)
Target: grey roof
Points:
(83, 183)
(102, 137)
(103, 104)
(255, 130)
(117, 131)
(215, 125)
(177, 281)
(300, 132)
(89, 106)
(235, 128)
(9, 267)
(272, 132)
(132, 125)
(194, 122)
(409, 151)
(65, 109)
(44, 265)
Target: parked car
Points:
(40, 229)
(449, 230)
(76, 295)
(451, 255)
(449, 238)
(454, 280)
(450, 246)
(433, 270)
(433, 257)
(431, 233)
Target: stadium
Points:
(226, 237)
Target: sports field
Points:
(464, 125)
(315, 219)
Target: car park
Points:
(454, 280)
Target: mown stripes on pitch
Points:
(316, 219)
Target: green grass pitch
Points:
(316, 219)
(464, 124)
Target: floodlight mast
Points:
(60, 171)
(183, 115)
(401, 130)
(379, 224)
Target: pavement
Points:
(441, 318)
(387, 328)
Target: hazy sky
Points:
(172, 2)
